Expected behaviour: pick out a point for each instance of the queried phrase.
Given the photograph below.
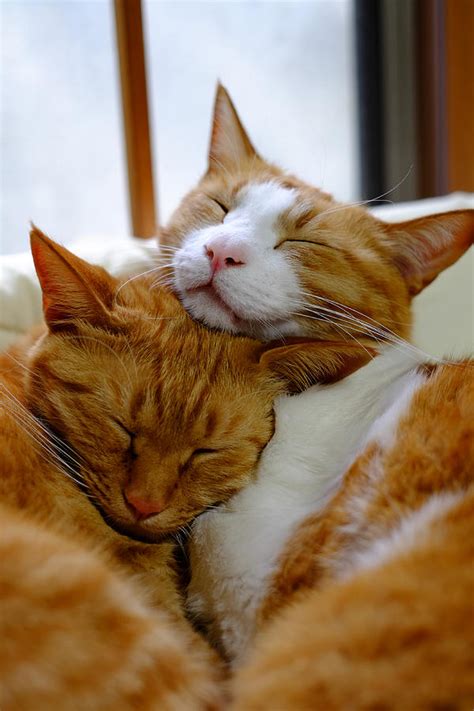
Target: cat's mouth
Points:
(208, 306)
(210, 292)
(135, 532)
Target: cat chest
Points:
(233, 553)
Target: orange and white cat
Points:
(319, 435)
(371, 604)
(254, 250)
(120, 423)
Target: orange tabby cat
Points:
(371, 606)
(119, 424)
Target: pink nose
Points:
(223, 254)
(143, 508)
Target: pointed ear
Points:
(230, 146)
(301, 363)
(72, 288)
(423, 248)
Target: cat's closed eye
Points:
(201, 454)
(223, 207)
(203, 451)
(313, 243)
(131, 438)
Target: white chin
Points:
(205, 308)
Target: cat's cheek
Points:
(191, 268)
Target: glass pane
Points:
(61, 141)
(290, 69)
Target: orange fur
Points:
(377, 640)
(76, 634)
(358, 274)
(399, 634)
(122, 392)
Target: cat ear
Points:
(72, 288)
(301, 362)
(424, 247)
(230, 146)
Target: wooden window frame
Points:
(416, 97)
(136, 122)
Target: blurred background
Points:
(105, 106)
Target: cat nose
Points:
(143, 508)
(223, 254)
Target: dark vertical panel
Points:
(388, 98)
(400, 99)
(370, 90)
(431, 82)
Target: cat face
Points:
(258, 252)
(164, 418)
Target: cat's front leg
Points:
(153, 565)
(155, 568)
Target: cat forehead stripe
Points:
(266, 200)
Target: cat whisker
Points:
(44, 447)
(378, 329)
(168, 248)
(352, 311)
(19, 363)
(317, 316)
(379, 198)
(32, 419)
(138, 276)
(349, 327)
(163, 280)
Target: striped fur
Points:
(307, 263)
(122, 391)
(371, 603)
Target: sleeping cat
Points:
(120, 423)
(361, 424)
(254, 251)
(371, 605)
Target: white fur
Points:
(409, 533)
(383, 432)
(384, 429)
(318, 434)
(260, 295)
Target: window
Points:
(290, 69)
(62, 162)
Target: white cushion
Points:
(20, 295)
